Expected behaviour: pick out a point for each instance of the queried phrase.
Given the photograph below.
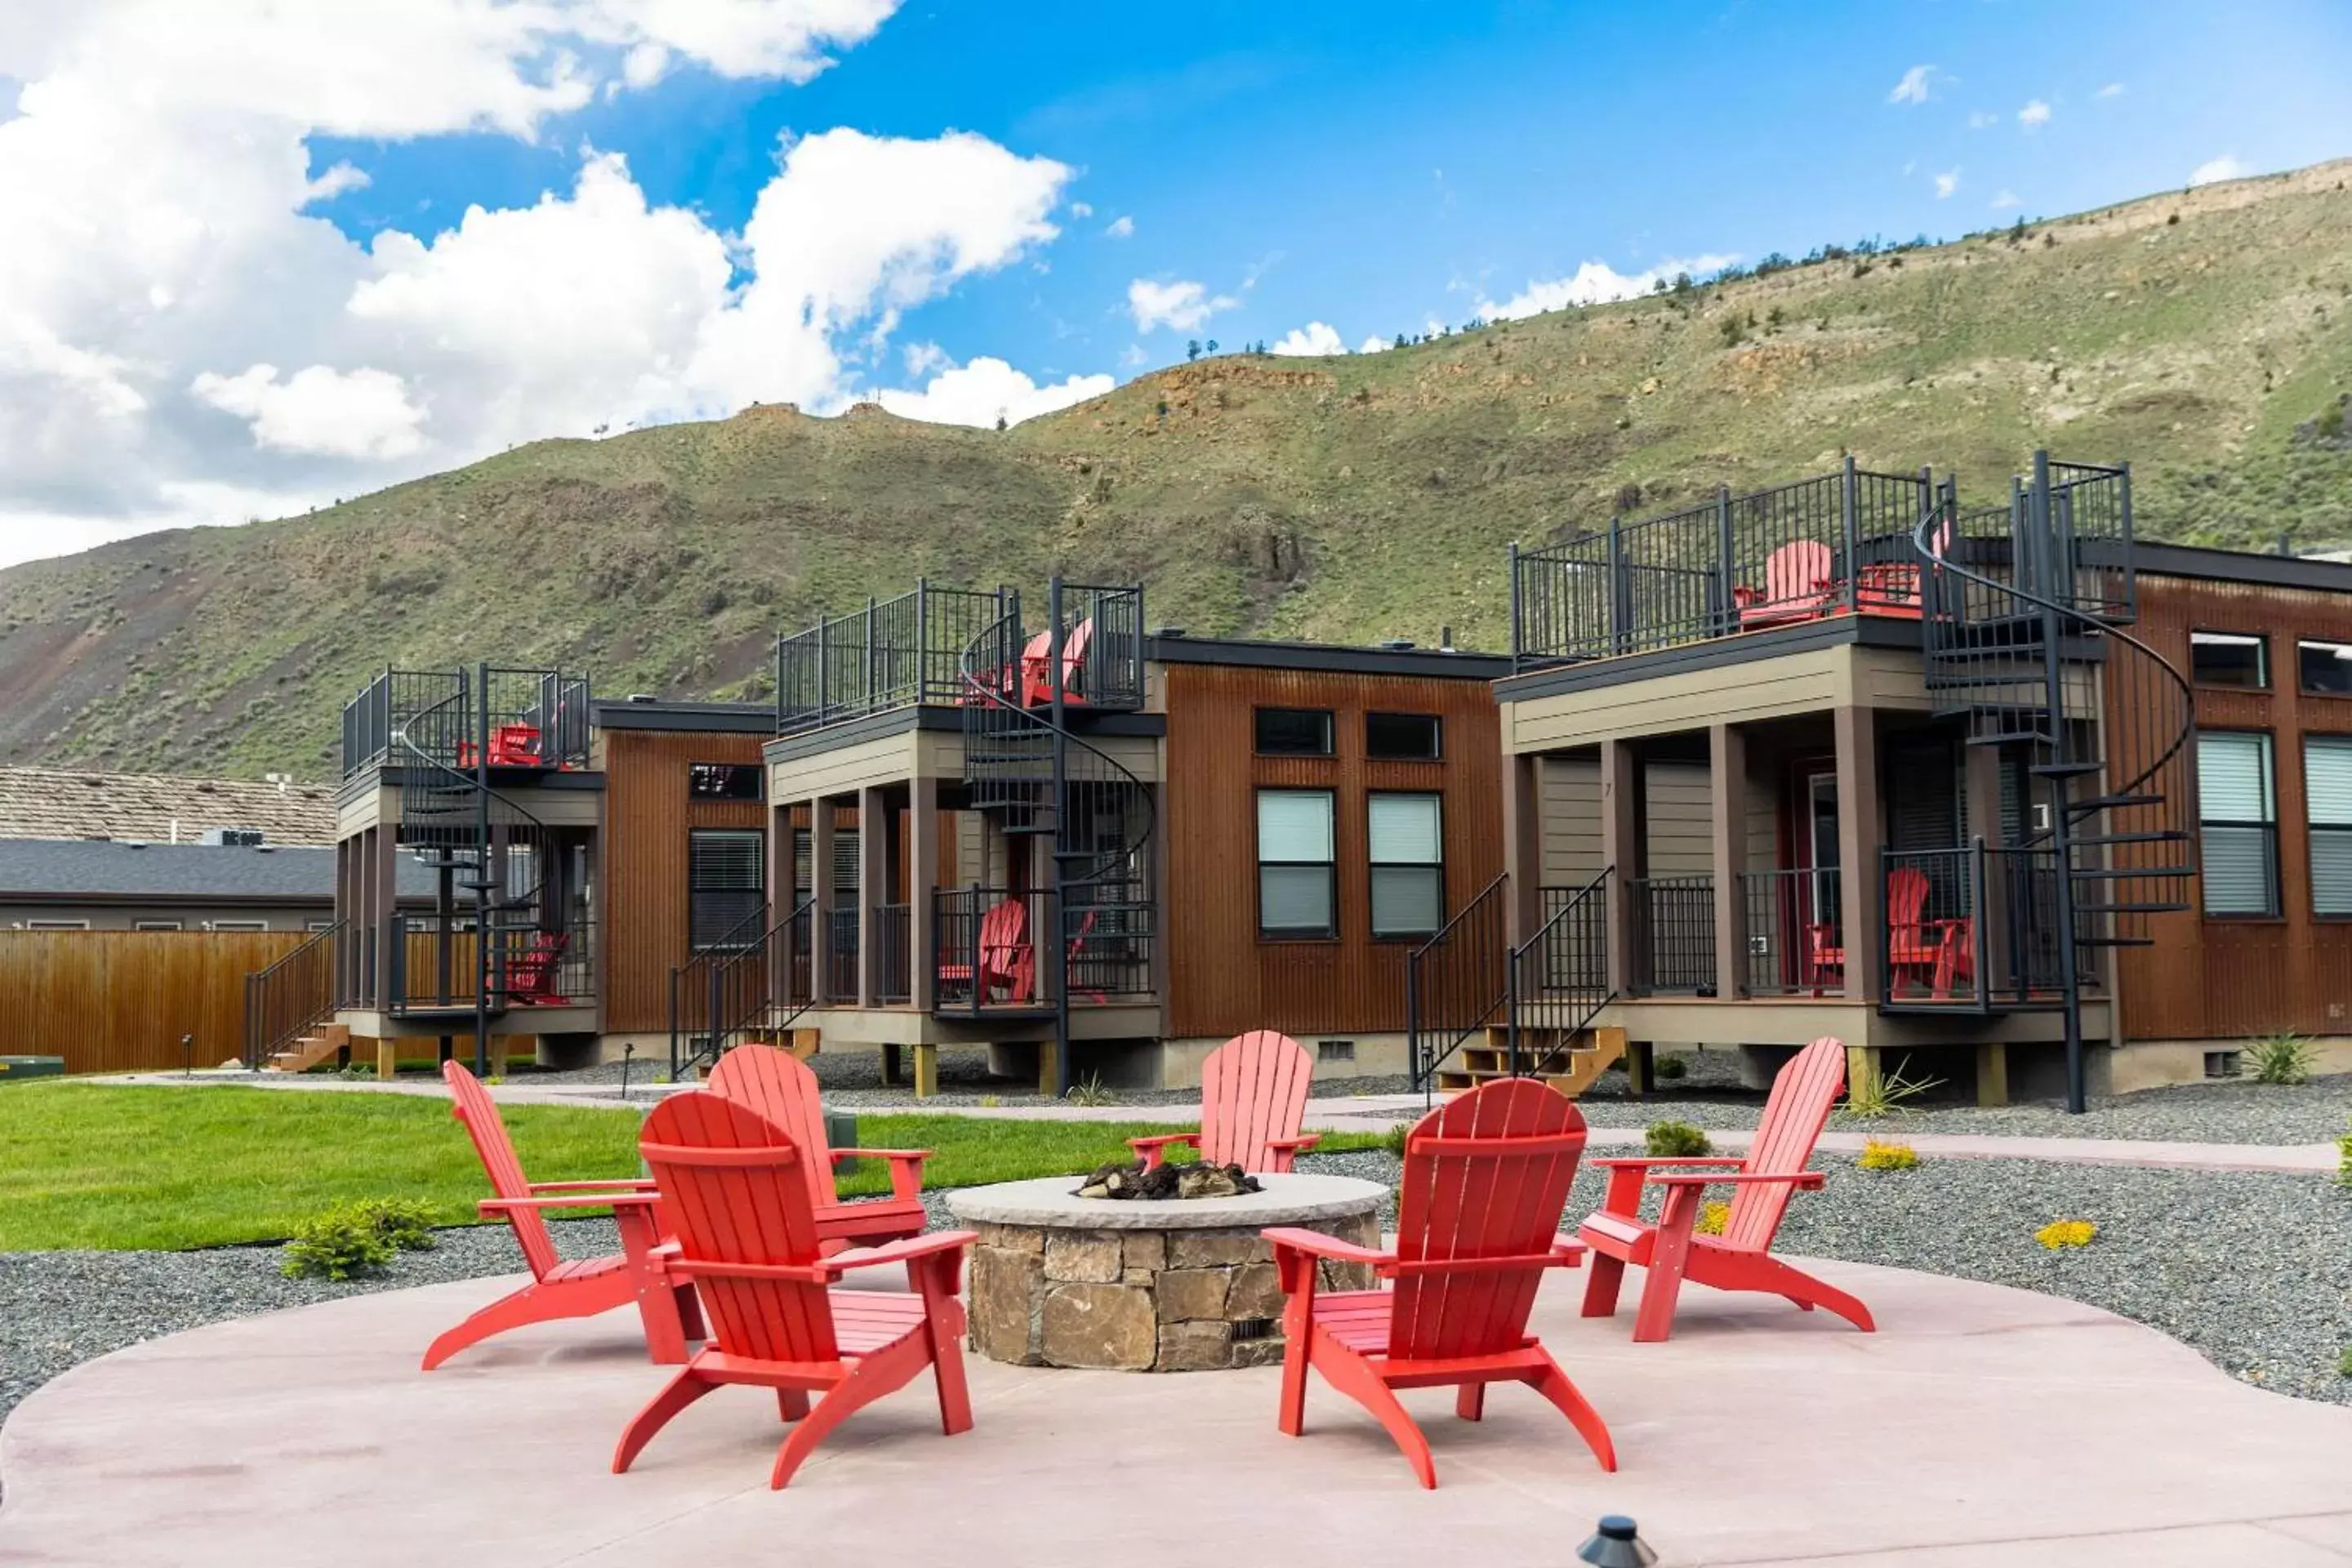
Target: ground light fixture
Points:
(1618, 1545)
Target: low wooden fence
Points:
(119, 1001)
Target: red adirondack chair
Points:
(779, 1086)
(1037, 665)
(1252, 1096)
(747, 1240)
(558, 1288)
(1889, 588)
(1739, 1259)
(1938, 949)
(1486, 1177)
(1799, 577)
(531, 977)
(1007, 963)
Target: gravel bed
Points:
(2252, 1271)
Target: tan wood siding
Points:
(1681, 839)
(1222, 978)
(120, 1001)
(2228, 978)
(648, 814)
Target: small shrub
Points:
(2283, 1060)
(1880, 1156)
(1091, 1091)
(1733, 330)
(1876, 1094)
(1672, 1066)
(403, 1222)
(2344, 1363)
(1394, 1139)
(2064, 1232)
(2344, 1160)
(1675, 1140)
(1713, 1215)
(990, 1101)
(338, 1244)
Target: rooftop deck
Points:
(524, 718)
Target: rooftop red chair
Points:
(1799, 578)
(1738, 1259)
(1037, 660)
(747, 1240)
(1252, 1097)
(558, 1288)
(1486, 1177)
(779, 1086)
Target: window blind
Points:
(1294, 825)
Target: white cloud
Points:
(1121, 227)
(1373, 345)
(2113, 89)
(1913, 87)
(988, 389)
(1947, 183)
(1314, 338)
(1082, 209)
(2214, 170)
(159, 261)
(1595, 283)
(1133, 355)
(1981, 119)
(357, 414)
(2034, 115)
(2006, 200)
(922, 359)
(1182, 305)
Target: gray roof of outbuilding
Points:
(65, 867)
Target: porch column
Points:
(1522, 846)
(1621, 847)
(1726, 749)
(382, 894)
(1858, 841)
(873, 889)
(821, 891)
(922, 878)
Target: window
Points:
(1412, 737)
(2237, 813)
(722, 780)
(1295, 888)
(2229, 658)
(156, 925)
(2325, 667)
(2327, 803)
(57, 925)
(1335, 1050)
(1295, 732)
(312, 925)
(240, 925)
(726, 884)
(1408, 866)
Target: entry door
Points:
(1818, 845)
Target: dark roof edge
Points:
(1715, 653)
(1333, 658)
(2208, 564)
(708, 718)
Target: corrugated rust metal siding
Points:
(2212, 979)
(1223, 979)
(120, 1001)
(647, 816)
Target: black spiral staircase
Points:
(1032, 774)
(2023, 609)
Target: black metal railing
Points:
(438, 963)
(1107, 946)
(1558, 978)
(1102, 650)
(753, 987)
(984, 941)
(1795, 933)
(841, 952)
(1931, 903)
(1673, 935)
(284, 1001)
(894, 653)
(894, 977)
(1837, 543)
(533, 718)
(1458, 981)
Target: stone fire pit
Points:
(1175, 1286)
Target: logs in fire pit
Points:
(1130, 1179)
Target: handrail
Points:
(1472, 924)
(724, 982)
(1565, 934)
(264, 1037)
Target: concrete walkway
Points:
(1980, 1427)
(1363, 1113)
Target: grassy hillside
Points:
(2205, 336)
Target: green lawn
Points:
(85, 1166)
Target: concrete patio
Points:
(1981, 1425)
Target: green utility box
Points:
(841, 1132)
(14, 1068)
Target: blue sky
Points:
(1379, 165)
(263, 256)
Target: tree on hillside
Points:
(1212, 345)
(1192, 349)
